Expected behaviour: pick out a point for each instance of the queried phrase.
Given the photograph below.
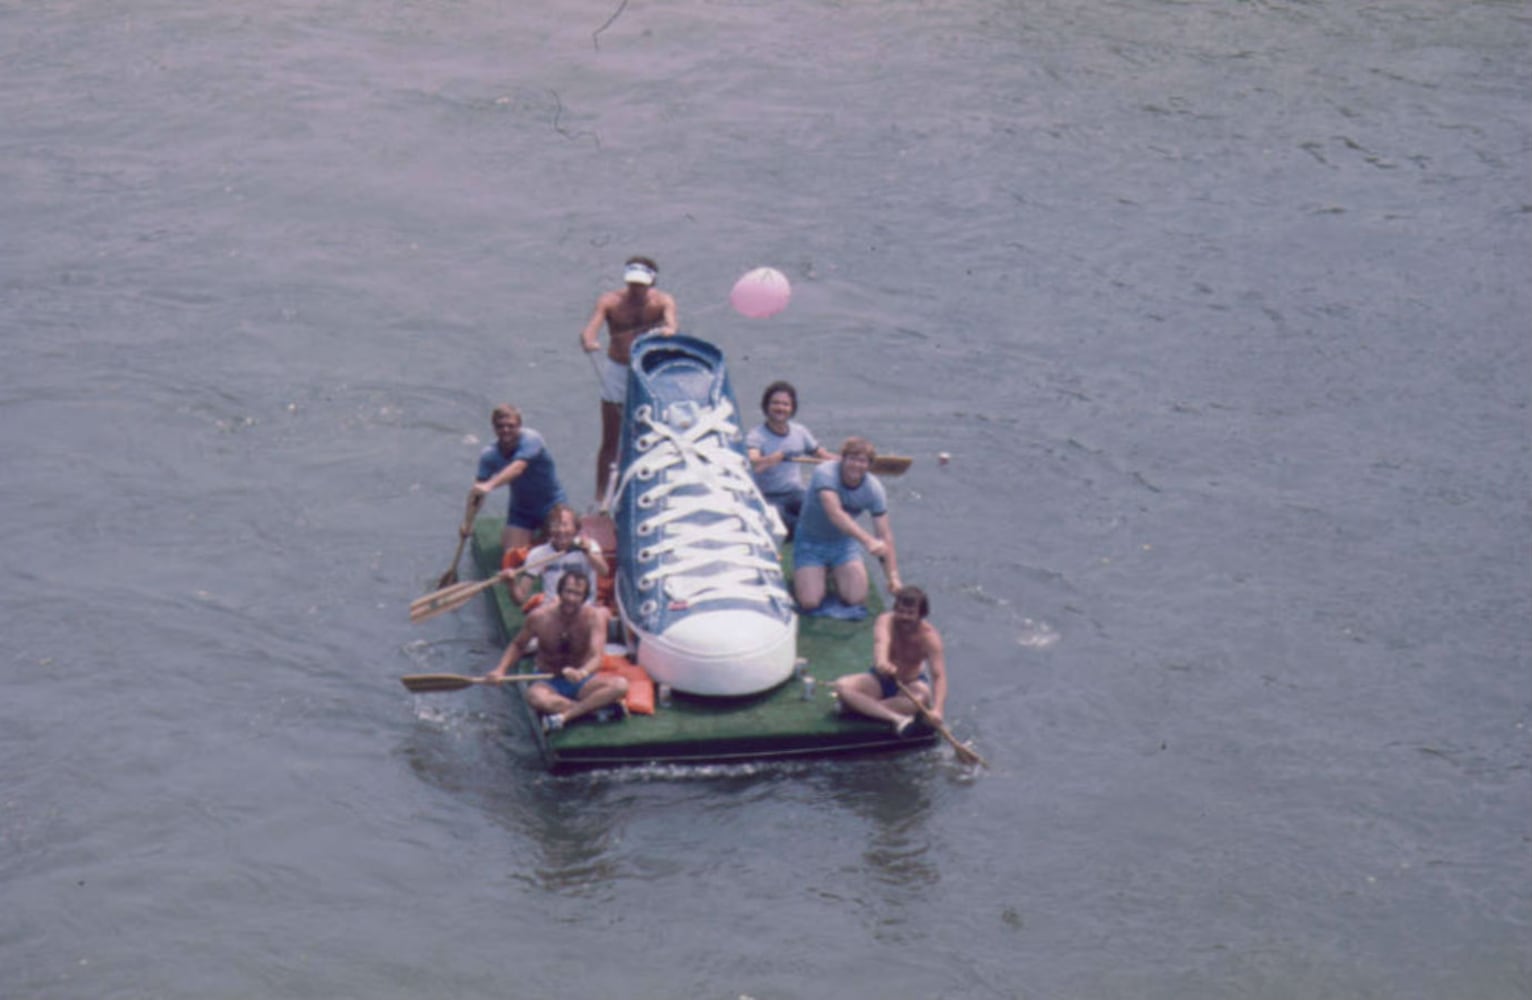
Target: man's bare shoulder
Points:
(542, 616)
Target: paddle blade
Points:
(422, 613)
(448, 599)
(420, 683)
(450, 577)
(967, 754)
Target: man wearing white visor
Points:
(636, 310)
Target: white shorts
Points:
(614, 381)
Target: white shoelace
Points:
(713, 544)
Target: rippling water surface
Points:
(1220, 309)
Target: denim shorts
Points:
(530, 520)
(839, 552)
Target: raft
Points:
(796, 719)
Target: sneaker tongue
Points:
(682, 415)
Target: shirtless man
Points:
(570, 636)
(635, 310)
(905, 649)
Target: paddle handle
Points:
(469, 516)
(422, 683)
(883, 465)
(540, 565)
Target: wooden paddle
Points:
(450, 577)
(883, 465)
(439, 602)
(966, 753)
(421, 683)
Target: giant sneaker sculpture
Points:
(699, 584)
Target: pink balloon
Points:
(761, 293)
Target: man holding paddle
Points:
(565, 550)
(628, 313)
(908, 663)
(828, 535)
(772, 446)
(570, 637)
(519, 459)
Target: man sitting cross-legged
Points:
(907, 650)
(570, 636)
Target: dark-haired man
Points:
(771, 448)
(570, 637)
(906, 649)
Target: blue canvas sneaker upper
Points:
(693, 533)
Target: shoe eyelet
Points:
(648, 608)
(646, 529)
(646, 441)
(645, 501)
(645, 473)
(644, 555)
(646, 582)
(642, 413)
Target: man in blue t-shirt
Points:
(771, 448)
(518, 459)
(828, 534)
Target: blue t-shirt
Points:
(814, 524)
(797, 441)
(537, 489)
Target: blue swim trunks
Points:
(834, 552)
(889, 685)
(565, 688)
